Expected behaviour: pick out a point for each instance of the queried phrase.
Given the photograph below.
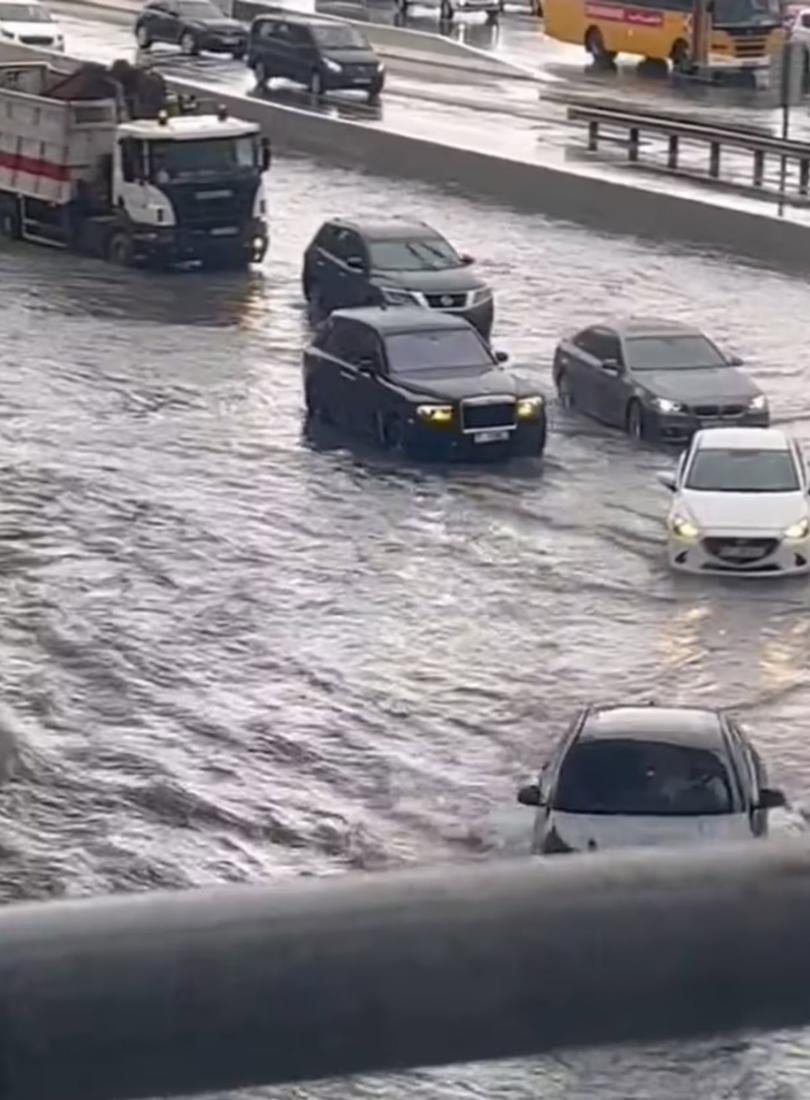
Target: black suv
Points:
(322, 53)
(393, 263)
(420, 382)
(193, 25)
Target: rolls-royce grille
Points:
(494, 414)
(740, 551)
(715, 411)
(446, 301)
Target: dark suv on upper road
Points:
(420, 382)
(193, 25)
(352, 263)
(322, 53)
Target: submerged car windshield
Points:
(339, 36)
(439, 349)
(715, 470)
(417, 254)
(642, 778)
(672, 353)
(24, 13)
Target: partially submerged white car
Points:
(30, 24)
(741, 505)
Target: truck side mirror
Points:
(267, 154)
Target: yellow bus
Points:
(740, 30)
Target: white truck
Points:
(166, 191)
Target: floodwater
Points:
(234, 653)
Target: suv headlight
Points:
(758, 403)
(664, 405)
(528, 408)
(481, 294)
(332, 66)
(798, 530)
(435, 414)
(684, 528)
(396, 296)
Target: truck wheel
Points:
(10, 224)
(119, 250)
(595, 45)
(143, 37)
(188, 44)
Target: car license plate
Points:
(713, 423)
(360, 79)
(492, 436)
(225, 231)
(740, 552)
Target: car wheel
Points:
(564, 391)
(541, 445)
(10, 221)
(316, 410)
(188, 44)
(391, 432)
(239, 53)
(635, 420)
(143, 37)
(261, 74)
(373, 95)
(119, 250)
(316, 83)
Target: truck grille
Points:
(718, 411)
(740, 551)
(446, 301)
(749, 42)
(201, 207)
(478, 414)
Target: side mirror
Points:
(668, 481)
(734, 361)
(771, 799)
(611, 366)
(466, 259)
(530, 795)
(501, 357)
(355, 263)
(267, 154)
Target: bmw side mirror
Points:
(501, 357)
(668, 481)
(770, 798)
(267, 154)
(466, 259)
(530, 795)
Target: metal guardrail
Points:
(161, 994)
(634, 124)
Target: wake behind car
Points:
(31, 24)
(396, 262)
(637, 776)
(420, 382)
(741, 505)
(322, 53)
(655, 379)
(193, 25)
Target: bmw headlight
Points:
(758, 403)
(798, 530)
(528, 408)
(664, 405)
(435, 414)
(396, 296)
(684, 528)
(332, 66)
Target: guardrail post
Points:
(714, 159)
(759, 167)
(804, 175)
(593, 135)
(632, 150)
(672, 157)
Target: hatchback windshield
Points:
(339, 36)
(719, 471)
(439, 349)
(199, 9)
(24, 13)
(672, 353)
(418, 254)
(642, 777)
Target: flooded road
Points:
(234, 653)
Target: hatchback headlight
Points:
(798, 530)
(664, 405)
(332, 66)
(528, 408)
(758, 403)
(684, 528)
(435, 414)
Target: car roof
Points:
(743, 439)
(698, 727)
(306, 18)
(393, 229)
(403, 319)
(628, 327)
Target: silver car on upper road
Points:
(741, 505)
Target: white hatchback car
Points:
(31, 24)
(741, 505)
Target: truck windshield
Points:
(740, 12)
(24, 13)
(175, 161)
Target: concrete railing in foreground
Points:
(196, 991)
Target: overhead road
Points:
(168, 994)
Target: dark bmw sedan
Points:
(193, 25)
(656, 380)
(421, 383)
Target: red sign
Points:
(619, 13)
